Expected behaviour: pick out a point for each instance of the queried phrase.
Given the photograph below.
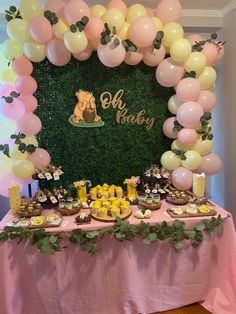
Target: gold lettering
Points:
(122, 116)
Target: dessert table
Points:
(124, 278)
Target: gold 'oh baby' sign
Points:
(122, 115)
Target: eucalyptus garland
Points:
(50, 243)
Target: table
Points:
(124, 278)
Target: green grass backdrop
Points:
(110, 153)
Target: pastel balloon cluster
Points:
(190, 153)
(57, 32)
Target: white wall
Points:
(223, 185)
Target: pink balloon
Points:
(211, 53)
(150, 12)
(142, 31)
(153, 57)
(94, 28)
(189, 114)
(182, 179)
(40, 29)
(5, 90)
(57, 53)
(30, 102)
(26, 84)
(168, 11)
(169, 72)
(188, 89)
(6, 181)
(187, 137)
(133, 58)
(84, 55)
(54, 5)
(111, 55)
(40, 158)
(22, 66)
(210, 164)
(168, 128)
(194, 38)
(13, 111)
(30, 124)
(207, 100)
(119, 5)
(75, 10)
(221, 53)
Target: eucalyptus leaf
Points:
(73, 28)
(85, 20)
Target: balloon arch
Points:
(119, 34)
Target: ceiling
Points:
(186, 4)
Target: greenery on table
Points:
(88, 241)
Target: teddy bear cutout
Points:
(85, 109)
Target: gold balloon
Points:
(172, 32)
(17, 29)
(135, 11)
(193, 160)
(5, 164)
(29, 140)
(34, 52)
(15, 154)
(207, 78)
(176, 145)
(158, 23)
(30, 8)
(12, 49)
(75, 42)
(8, 76)
(60, 29)
(180, 50)
(203, 147)
(98, 10)
(3, 61)
(94, 44)
(22, 169)
(170, 161)
(173, 104)
(195, 62)
(114, 17)
(124, 32)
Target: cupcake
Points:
(102, 212)
(115, 211)
(93, 194)
(119, 192)
(83, 218)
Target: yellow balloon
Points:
(158, 23)
(8, 76)
(98, 10)
(7, 128)
(207, 78)
(34, 52)
(60, 29)
(22, 169)
(75, 42)
(193, 160)
(29, 140)
(17, 29)
(30, 8)
(170, 161)
(203, 147)
(172, 32)
(124, 32)
(180, 50)
(5, 164)
(15, 154)
(135, 11)
(114, 17)
(3, 61)
(177, 145)
(195, 62)
(12, 49)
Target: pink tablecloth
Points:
(125, 278)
